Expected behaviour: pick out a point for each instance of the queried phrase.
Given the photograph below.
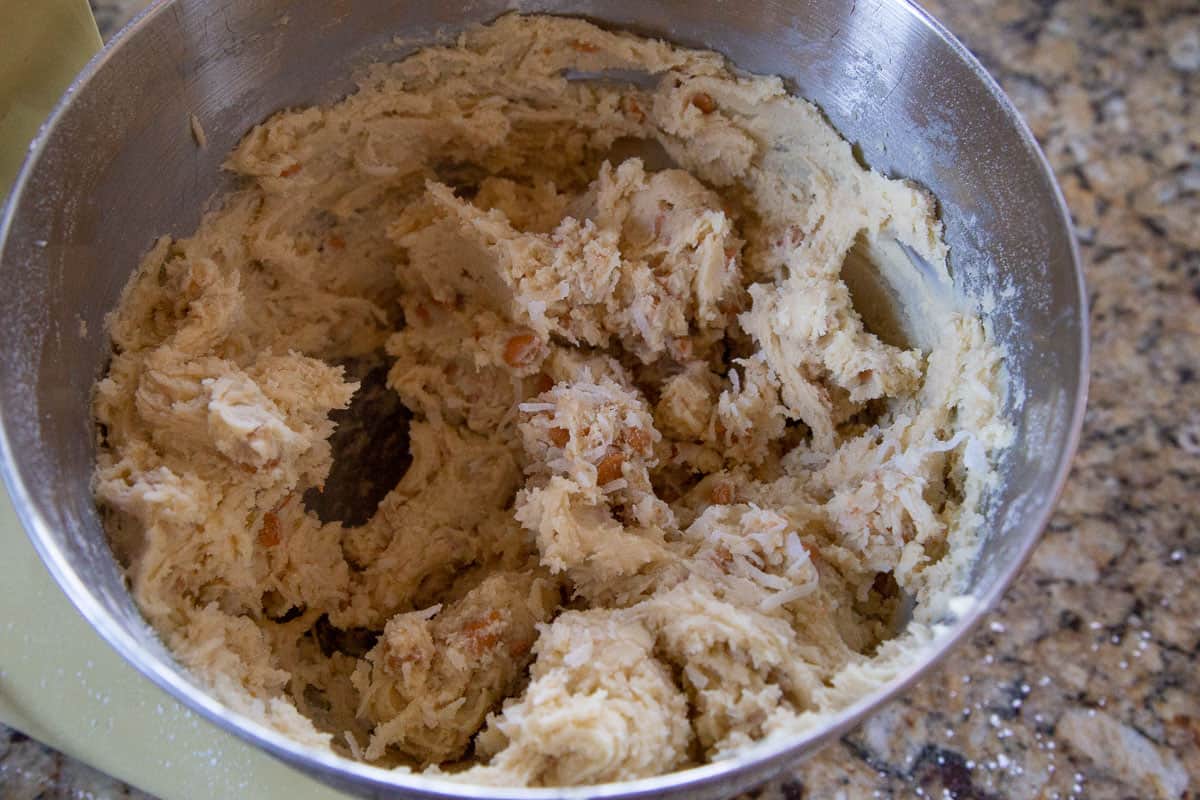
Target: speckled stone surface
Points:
(1085, 682)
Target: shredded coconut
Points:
(669, 495)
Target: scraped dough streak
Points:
(668, 492)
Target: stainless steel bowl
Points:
(116, 165)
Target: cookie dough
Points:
(674, 488)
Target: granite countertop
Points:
(1085, 682)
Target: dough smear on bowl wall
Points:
(669, 495)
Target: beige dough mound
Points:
(670, 492)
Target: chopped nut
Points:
(722, 493)
(722, 558)
(395, 661)
(520, 350)
(482, 634)
(270, 535)
(704, 102)
(631, 107)
(560, 436)
(637, 438)
(680, 348)
(609, 469)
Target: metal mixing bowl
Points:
(116, 165)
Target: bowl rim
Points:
(746, 768)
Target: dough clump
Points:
(669, 495)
